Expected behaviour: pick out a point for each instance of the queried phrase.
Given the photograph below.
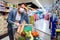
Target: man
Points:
(16, 17)
(53, 21)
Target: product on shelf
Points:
(3, 25)
(2, 6)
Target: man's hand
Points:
(17, 24)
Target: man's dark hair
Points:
(22, 4)
(6, 7)
(19, 4)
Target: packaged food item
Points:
(31, 19)
(27, 28)
(36, 17)
(35, 34)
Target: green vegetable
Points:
(27, 34)
(21, 38)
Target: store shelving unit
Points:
(3, 23)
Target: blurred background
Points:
(39, 7)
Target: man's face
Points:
(23, 6)
(21, 10)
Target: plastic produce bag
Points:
(21, 28)
(41, 16)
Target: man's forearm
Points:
(9, 21)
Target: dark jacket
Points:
(12, 16)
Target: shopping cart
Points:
(26, 34)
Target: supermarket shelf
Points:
(57, 30)
(3, 12)
(4, 35)
(58, 34)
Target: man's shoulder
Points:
(24, 14)
(13, 10)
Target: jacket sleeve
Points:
(9, 19)
(27, 19)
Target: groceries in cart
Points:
(27, 33)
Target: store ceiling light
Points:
(40, 5)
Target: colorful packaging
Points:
(31, 19)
